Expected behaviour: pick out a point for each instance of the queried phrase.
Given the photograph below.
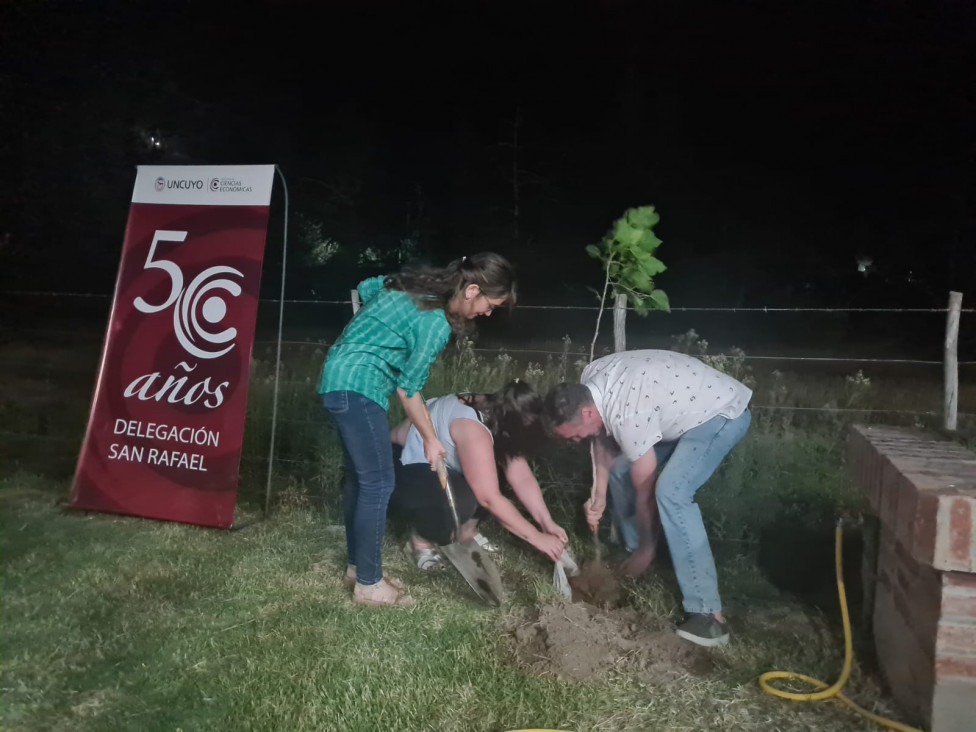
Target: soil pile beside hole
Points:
(580, 642)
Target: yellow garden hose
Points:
(825, 691)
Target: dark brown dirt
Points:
(597, 585)
(580, 642)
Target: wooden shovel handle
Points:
(442, 473)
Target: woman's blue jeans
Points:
(685, 464)
(369, 479)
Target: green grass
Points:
(113, 623)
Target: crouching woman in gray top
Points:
(482, 434)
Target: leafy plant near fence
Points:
(626, 254)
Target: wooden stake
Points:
(620, 323)
(951, 407)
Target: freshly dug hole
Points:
(598, 585)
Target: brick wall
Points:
(923, 490)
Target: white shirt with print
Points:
(646, 397)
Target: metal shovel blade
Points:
(478, 570)
(468, 558)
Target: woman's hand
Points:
(434, 451)
(550, 545)
(594, 509)
(551, 527)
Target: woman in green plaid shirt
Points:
(405, 321)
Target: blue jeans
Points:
(685, 464)
(365, 432)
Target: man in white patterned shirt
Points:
(646, 409)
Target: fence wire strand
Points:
(592, 308)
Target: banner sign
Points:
(167, 418)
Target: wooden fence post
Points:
(356, 302)
(620, 323)
(951, 361)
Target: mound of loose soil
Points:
(578, 641)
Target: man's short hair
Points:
(564, 402)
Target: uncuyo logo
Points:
(198, 307)
(185, 184)
(160, 184)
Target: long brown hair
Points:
(513, 415)
(435, 287)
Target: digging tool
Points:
(473, 562)
(597, 547)
(468, 558)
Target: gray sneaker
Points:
(703, 629)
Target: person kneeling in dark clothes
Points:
(482, 434)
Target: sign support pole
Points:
(281, 320)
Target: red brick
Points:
(906, 509)
(955, 637)
(888, 503)
(926, 527)
(960, 530)
(959, 579)
(961, 607)
(961, 666)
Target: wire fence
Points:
(594, 308)
(45, 421)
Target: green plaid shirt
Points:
(389, 343)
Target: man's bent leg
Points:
(697, 454)
(621, 493)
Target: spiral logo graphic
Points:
(215, 184)
(201, 307)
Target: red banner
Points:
(167, 419)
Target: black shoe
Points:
(704, 629)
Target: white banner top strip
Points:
(204, 185)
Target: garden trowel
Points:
(468, 558)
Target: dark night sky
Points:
(778, 140)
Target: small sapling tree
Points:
(627, 255)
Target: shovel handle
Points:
(441, 468)
(441, 473)
(446, 486)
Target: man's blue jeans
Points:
(369, 478)
(685, 464)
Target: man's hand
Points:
(433, 451)
(594, 509)
(550, 545)
(551, 527)
(638, 562)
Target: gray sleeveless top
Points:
(443, 411)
